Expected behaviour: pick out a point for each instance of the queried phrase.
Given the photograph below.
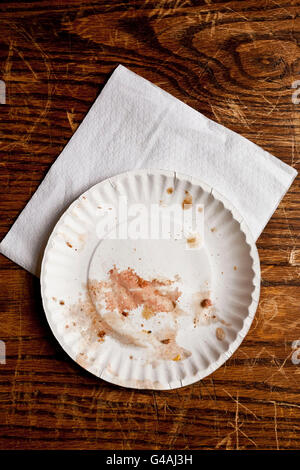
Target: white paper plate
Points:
(133, 311)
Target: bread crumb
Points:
(176, 358)
(193, 242)
(220, 334)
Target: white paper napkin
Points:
(135, 124)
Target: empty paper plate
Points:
(150, 280)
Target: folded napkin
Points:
(134, 124)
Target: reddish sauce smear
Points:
(125, 290)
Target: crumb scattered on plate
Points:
(220, 334)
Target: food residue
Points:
(206, 303)
(187, 202)
(101, 334)
(107, 304)
(205, 310)
(194, 241)
(170, 190)
(220, 334)
(176, 358)
(125, 291)
(147, 312)
(165, 341)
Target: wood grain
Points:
(233, 61)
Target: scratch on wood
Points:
(71, 122)
(275, 424)
(241, 404)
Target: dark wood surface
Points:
(233, 61)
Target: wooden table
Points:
(233, 61)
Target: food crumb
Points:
(165, 341)
(220, 334)
(193, 242)
(213, 229)
(170, 190)
(54, 299)
(187, 202)
(67, 326)
(61, 302)
(176, 358)
(69, 244)
(206, 303)
(101, 334)
(235, 268)
(130, 357)
(125, 314)
(200, 209)
(147, 312)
